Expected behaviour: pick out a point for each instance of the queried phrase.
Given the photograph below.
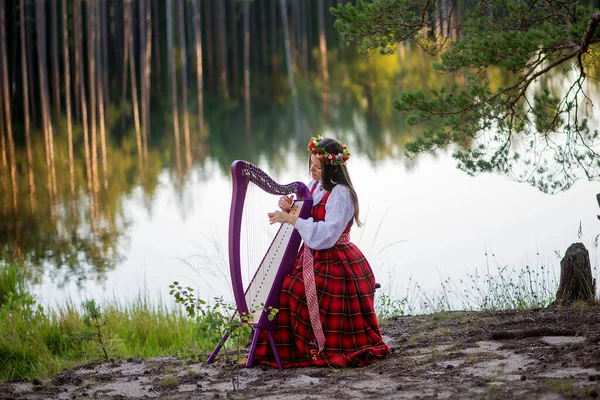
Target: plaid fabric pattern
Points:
(345, 289)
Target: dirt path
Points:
(543, 354)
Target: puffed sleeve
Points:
(339, 209)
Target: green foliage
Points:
(20, 354)
(94, 321)
(222, 319)
(388, 307)
(36, 343)
(13, 292)
(527, 129)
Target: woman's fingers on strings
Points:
(273, 216)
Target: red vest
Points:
(318, 210)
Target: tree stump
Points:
(576, 282)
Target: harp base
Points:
(255, 335)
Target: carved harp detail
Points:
(264, 288)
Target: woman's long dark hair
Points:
(337, 174)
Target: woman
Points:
(326, 314)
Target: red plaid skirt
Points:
(345, 290)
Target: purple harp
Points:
(262, 292)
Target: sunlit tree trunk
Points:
(55, 67)
(323, 52)
(84, 112)
(134, 96)
(199, 78)
(105, 42)
(142, 59)
(145, 59)
(46, 120)
(101, 87)
(91, 51)
(208, 17)
(247, 65)
(25, 79)
(7, 114)
(65, 31)
(235, 63)
(184, 85)
(147, 71)
(80, 98)
(172, 74)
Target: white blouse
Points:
(339, 209)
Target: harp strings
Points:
(256, 237)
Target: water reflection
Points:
(137, 89)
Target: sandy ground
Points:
(539, 354)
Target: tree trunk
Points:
(273, 38)
(263, 34)
(288, 52)
(126, 33)
(323, 52)
(304, 10)
(6, 112)
(254, 21)
(184, 85)
(142, 59)
(105, 41)
(235, 61)
(30, 38)
(576, 282)
(222, 50)
(44, 96)
(134, 96)
(145, 53)
(65, 18)
(171, 53)
(156, 37)
(247, 65)
(292, 34)
(208, 18)
(26, 112)
(83, 98)
(55, 67)
(4, 166)
(91, 48)
(147, 71)
(77, 58)
(101, 85)
(199, 78)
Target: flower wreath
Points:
(328, 158)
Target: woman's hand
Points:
(283, 217)
(285, 203)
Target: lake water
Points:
(426, 223)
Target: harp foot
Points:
(257, 330)
(213, 355)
